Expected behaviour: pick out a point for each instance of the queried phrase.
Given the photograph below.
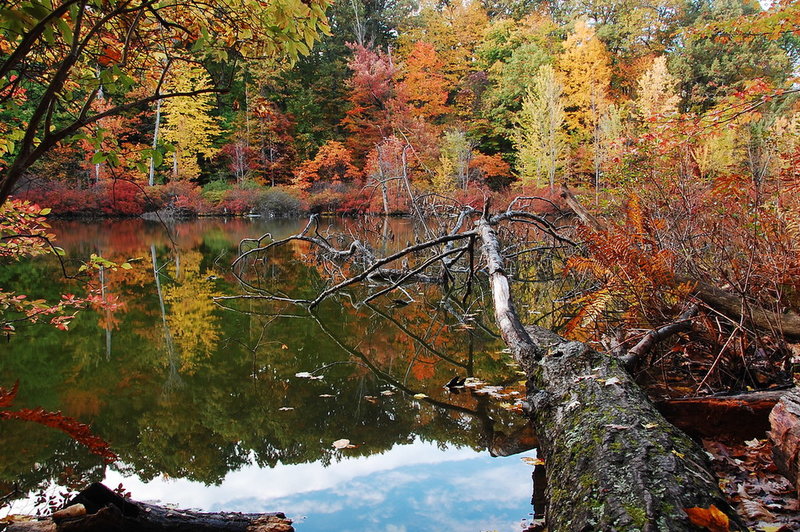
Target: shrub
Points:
(239, 200)
(63, 199)
(120, 198)
(279, 202)
(182, 197)
(214, 191)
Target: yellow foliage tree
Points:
(656, 94)
(584, 72)
(191, 319)
(539, 136)
(188, 123)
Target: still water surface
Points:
(205, 408)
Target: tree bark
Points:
(612, 461)
(785, 435)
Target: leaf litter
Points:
(748, 477)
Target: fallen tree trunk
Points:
(99, 509)
(738, 417)
(612, 461)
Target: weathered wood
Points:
(612, 461)
(736, 417)
(786, 324)
(107, 511)
(785, 435)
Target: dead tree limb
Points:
(613, 462)
(738, 417)
(653, 336)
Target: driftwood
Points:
(98, 509)
(612, 461)
(785, 435)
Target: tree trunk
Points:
(612, 461)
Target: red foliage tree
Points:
(372, 88)
(274, 151)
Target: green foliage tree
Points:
(539, 136)
(709, 68)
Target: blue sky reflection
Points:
(415, 487)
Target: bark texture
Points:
(785, 436)
(612, 461)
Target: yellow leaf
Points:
(532, 461)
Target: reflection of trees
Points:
(191, 319)
(235, 374)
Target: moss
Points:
(638, 515)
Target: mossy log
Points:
(99, 509)
(612, 461)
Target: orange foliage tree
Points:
(332, 166)
(423, 85)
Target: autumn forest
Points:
(307, 200)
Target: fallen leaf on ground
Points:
(711, 518)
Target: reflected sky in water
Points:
(415, 487)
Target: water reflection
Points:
(183, 389)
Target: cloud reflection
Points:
(411, 487)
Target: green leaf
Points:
(98, 157)
(45, 211)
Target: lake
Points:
(238, 408)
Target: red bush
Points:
(239, 201)
(121, 198)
